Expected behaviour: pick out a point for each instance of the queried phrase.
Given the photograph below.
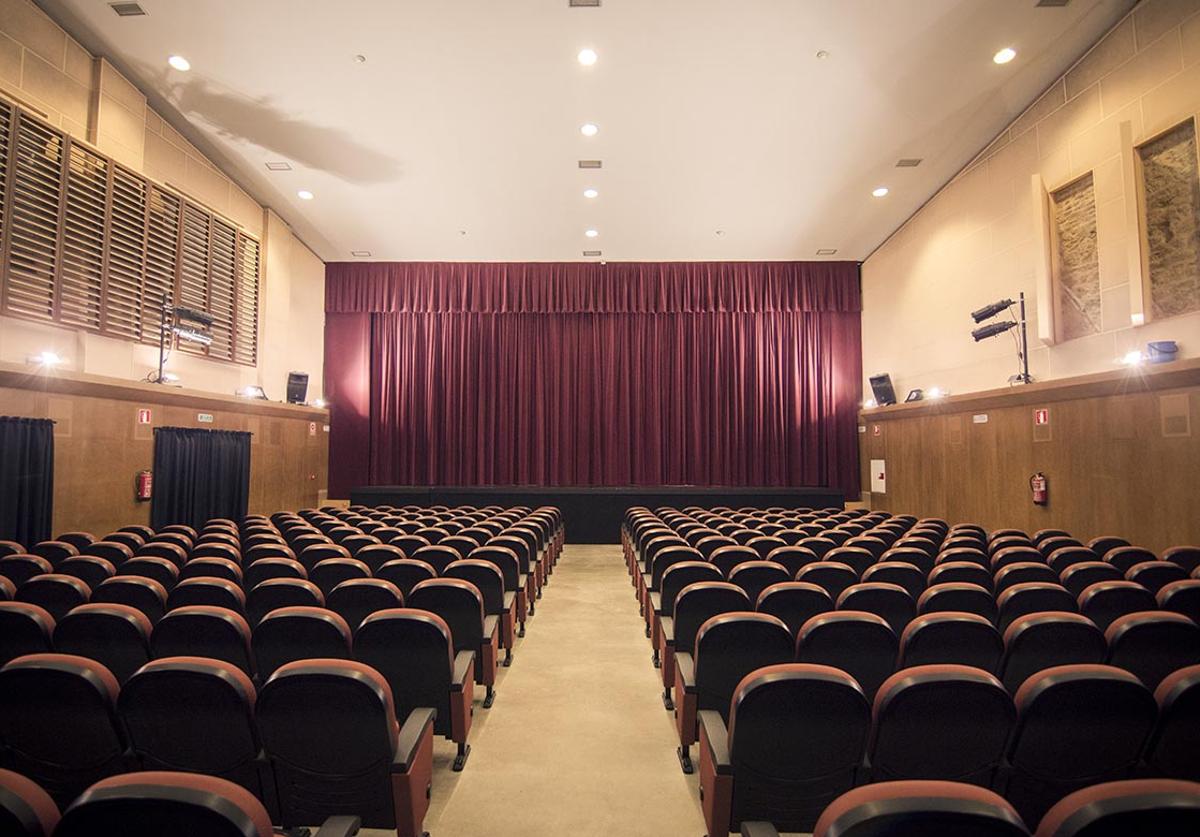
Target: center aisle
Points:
(578, 741)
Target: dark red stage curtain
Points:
(587, 374)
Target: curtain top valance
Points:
(588, 287)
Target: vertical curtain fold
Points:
(26, 479)
(199, 475)
(737, 374)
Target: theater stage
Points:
(594, 514)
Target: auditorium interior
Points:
(420, 418)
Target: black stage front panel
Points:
(594, 515)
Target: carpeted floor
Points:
(578, 742)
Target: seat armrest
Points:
(686, 668)
(417, 725)
(463, 661)
(510, 598)
(491, 624)
(666, 626)
(751, 829)
(712, 730)
(656, 602)
(340, 827)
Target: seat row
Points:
(795, 736)
(321, 738)
(1165, 808)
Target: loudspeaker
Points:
(881, 386)
(297, 387)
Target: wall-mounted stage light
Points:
(992, 329)
(252, 392)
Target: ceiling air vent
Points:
(593, 252)
(590, 164)
(127, 9)
(1052, 3)
(908, 162)
(279, 166)
(582, 4)
(826, 251)
(361, 254)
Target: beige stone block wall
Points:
(48, 72)
(976, 240)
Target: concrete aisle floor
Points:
(578, 742)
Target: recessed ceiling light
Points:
(180, 63)
(305, 195)
(590, 193)
(279, 166)
(361, 254)
(822, 54)
(880, 192)
(591, 233)
(588, 129)
(360, 59)
(587, 57)
(720, 233)
(1005, 55)
(462, 232)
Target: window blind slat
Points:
(80, 285)
(33, 245)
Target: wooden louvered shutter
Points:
(81, 279)
(37, 193)
(246, 324)
(6, 126)
(193, 264)
(222, 287)
(126, 255)
(162, 252)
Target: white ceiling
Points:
(458, 138)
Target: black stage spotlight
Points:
(992, 329)
(990, 310)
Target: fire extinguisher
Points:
(1040, 488)
(143, 484)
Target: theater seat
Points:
(951, 638)
(1077, 725)
(1040, 641)
(19, 567)
(162, 570)
(117, 636)
(1162, 807)
(204, 631)
(1173, 751)
(831, 576)
(947, 722)
(662, 603)
(1107, 601)
(1032, 597)
(959, 597)
(7, 589)
(196, 714)
(1154, 575)
(1125, 557)
(694, 606)
(794, 602)
(54, 592)
(11, 548)
(155, 803)
(356, 599)
(298, 633)
(144, 594)
(89, 569)
(414, 652)
(1187, 557)
(460, 605)
(901, 573)
(1152, 645)
(58, 722)
(406, 573)
(275, 593)
(53, 551)
(1023, 572)
(25, 809)
(920, 809)
(266, 569)
(1082, 575)
(24, 629)
(795, 737)
(212, 568)
(728, 647)
(1181, 597)
(331, 734)
(889, 601)
(207, 590)
(856, 642)
(964, 572)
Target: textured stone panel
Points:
(1078, 258)
(1172, 185)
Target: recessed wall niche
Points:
(1076, 258)
(1171, 220)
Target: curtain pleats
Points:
(199, 475)
(26, 479)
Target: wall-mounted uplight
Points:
(47, 359)
(252, 392)
(935, 392)
(170, 378)
(870, 404)
(1133, 358)
(320, 403)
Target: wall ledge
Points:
(20, 376)
(1146, 378)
